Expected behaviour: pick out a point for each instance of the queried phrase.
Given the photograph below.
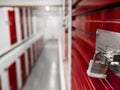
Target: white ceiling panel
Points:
(29, 2)
(41, 11)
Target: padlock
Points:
(115, 64)
(115, 69)
(116, 58)
(97, 69)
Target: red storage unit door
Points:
(27, 18)
(21, 23)
(85, 40)
(0, 84)
(23, 70)
(12, 23)
(34, 47)
(31, 22)
(33, 53)
(13, 77)
(29, 59)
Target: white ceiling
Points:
(41, 11)
(29, 2)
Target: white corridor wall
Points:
(53, 28)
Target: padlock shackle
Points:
(99, 53)
(95, 55)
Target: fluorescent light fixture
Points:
(47, 8)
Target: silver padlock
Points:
(115, 69)
(115, 65)
(97, 68)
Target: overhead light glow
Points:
(47, 8)
(8, 8)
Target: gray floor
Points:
(45, 74)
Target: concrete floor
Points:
(45, 74)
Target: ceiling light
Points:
(47, 8)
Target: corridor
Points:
(45, 74)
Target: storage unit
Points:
(12, 27)
(29, 59)
(33, 54)
(22, 40)
(23, 69)
(21, 23)
(19, 43)
(89, 16)
(13, 77)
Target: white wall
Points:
(52, 22)
(52, 29)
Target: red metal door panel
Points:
(86, 26)
(27, 18)
(81, 69)
(85, 6)
(0, 85)
(36, 46)
(113, 80)
(29, 59)
(13, 77)
(78, 80)
(78, 70)
(33, 52)
(12, 23)
(87, 81)
(31, 22)
(21, 23)
(83, 49)
(23, 70)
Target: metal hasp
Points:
(107, 54)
